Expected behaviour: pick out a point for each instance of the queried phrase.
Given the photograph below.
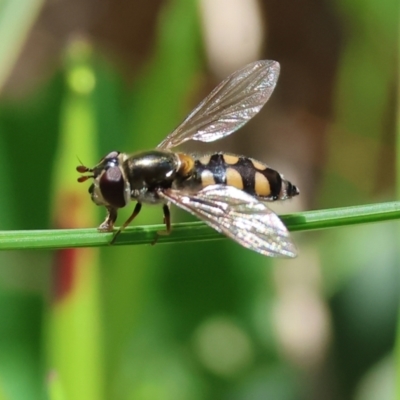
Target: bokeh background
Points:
(206, 320)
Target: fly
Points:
(227, 191)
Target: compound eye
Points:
(112, 187)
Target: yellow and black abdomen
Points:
(244, 173)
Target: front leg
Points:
(108, 224)
(136, 211)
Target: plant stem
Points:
(192, 231)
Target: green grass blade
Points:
(334, 217)
(192, 231)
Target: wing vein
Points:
(229, 106)
(239, 216)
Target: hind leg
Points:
(167, 222)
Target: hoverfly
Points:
(226, 191)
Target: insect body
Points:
(225, 190)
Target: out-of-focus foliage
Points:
(201, 320)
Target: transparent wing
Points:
(239, 216)
(229, 106)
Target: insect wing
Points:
(239, 216)
(229, 106)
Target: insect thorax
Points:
(151, 170)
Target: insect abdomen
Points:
(245, 173)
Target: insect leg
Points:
(167, 222)
(108, 224)
(136, 211)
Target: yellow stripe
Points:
(258, 165)
(207, 178)
(262, 187)
(230, 159)
(233, 178)
(205, 159)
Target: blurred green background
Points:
(208, 320)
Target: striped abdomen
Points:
(247, 174)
